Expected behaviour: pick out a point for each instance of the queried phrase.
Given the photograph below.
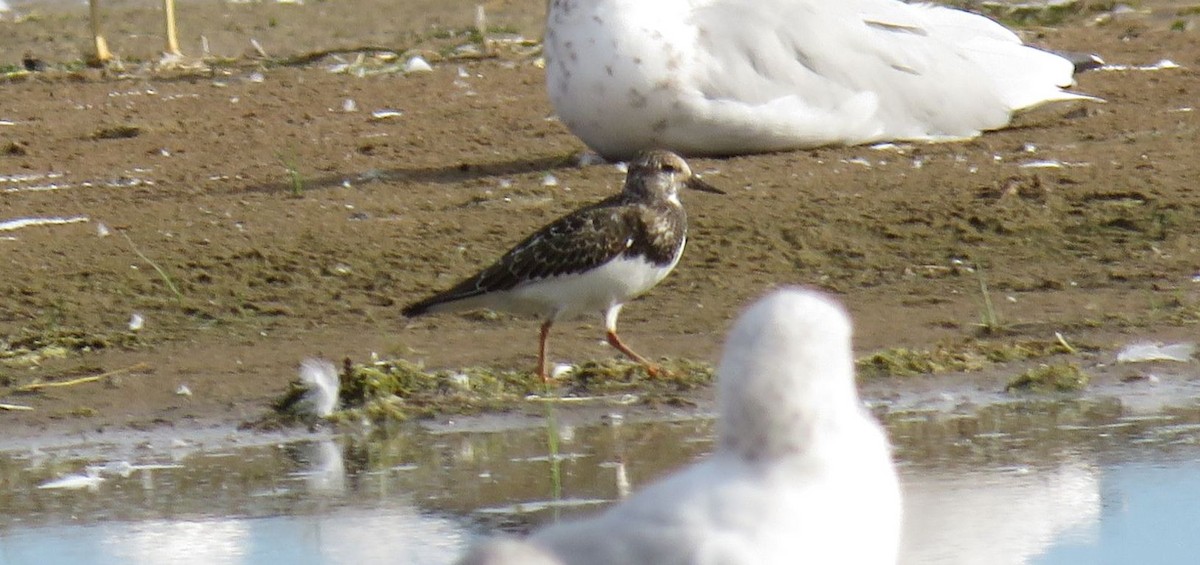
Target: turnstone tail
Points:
(592, 260)
(726, 77)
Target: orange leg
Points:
(610, 328)
(543, 343)
(615, 341)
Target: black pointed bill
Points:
(697, 184)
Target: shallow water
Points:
(1046, 482)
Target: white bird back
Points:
(741, 76)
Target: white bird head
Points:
(786, 376)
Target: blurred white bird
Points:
(801, 472)
(726, 77)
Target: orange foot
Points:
(656, 371)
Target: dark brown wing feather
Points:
(577, 242)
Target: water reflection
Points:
(998, 516)
(1053, 482)
(1148, 516)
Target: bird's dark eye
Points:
(669, 168)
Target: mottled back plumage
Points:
(645, 220)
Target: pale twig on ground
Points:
(1063, 341)
(83, 380)
(162, 273)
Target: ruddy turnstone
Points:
(801, 473)
(726, 77)
(592, 260)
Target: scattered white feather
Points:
(259, 48)
(1162, 65)
(385, 114)
(19, 223)
(417, 64)
(549, 180)
(461, 380)
(1146, 351)
(561, 369)
(586, 158)
(183, 390)
(136, 322)
(349, 105)
(89, 480)
(1041, 164)
(102, 230)
(323, 381)
(120, 468)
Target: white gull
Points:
(801, 473)
(726, 77)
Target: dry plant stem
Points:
(84, 380)
(165, 277)
(989, 320)
(1063, 341)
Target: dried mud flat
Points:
(253, 221)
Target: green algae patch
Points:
(961, 357)
(903, 362)
(83, 412)
(398, 390)
(30, 348)
(618, 376)
(1058, 377)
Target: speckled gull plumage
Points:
(726, 77)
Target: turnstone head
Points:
(802, 473)
(592, 260)
(725, 77)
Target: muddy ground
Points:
(253, 221)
